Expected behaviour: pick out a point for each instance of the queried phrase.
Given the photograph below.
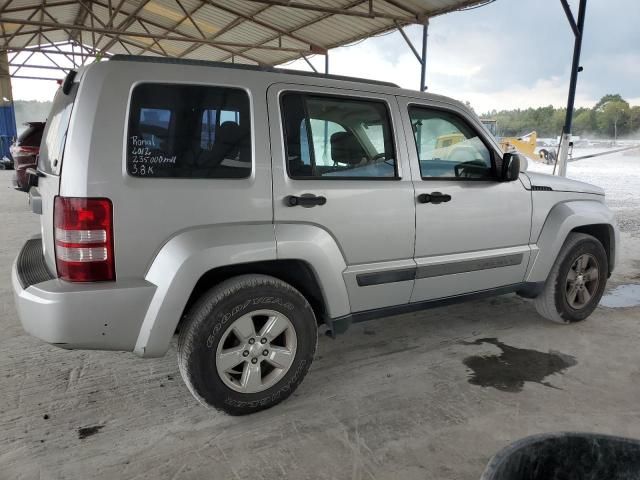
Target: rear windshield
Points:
(32, 135)
(189, 131)
(55, 132)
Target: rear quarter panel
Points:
(148, 212)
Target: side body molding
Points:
(180, 264)
(318, 248)
(563, 218)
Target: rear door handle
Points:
(434, 197)
(306, 200)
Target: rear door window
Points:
(337, 137)
(189, 131)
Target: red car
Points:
(25, 152)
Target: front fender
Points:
(560, 221)
(182, 261)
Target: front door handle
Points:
(434, 197)
(306, 200)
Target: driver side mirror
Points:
(510, 169)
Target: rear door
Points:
(340, 164)
(50, 165)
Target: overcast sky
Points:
(505, 55)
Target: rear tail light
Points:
(20, 150)
(84, 239)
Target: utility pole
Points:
(578, 30)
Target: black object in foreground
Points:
(567, 456)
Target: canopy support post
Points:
(423, 61)
(578, 30)
(422, 58)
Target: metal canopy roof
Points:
(264, 32)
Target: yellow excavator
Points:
(526, 144)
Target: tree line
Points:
(611, 117)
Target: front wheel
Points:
(576, 282)
(247, 344)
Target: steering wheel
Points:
(471, 169)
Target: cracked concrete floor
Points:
(389, 399)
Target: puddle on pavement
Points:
(510, 370)
(622, 296)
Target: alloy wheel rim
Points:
(582, 281)
(256, 351)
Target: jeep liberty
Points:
(245, 207)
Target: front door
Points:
(340, 165)
(472, 230)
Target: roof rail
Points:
(239, 66)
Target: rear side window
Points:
(189, 131)
(32, 135)
(337, 137)
(55, 134)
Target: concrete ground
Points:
(392, 398)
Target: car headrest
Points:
(345, 148)
(229, 133)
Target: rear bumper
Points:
(100, 316)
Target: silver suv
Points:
(246, 207)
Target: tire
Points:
(217, 332)
(559, 301)
(544, 154)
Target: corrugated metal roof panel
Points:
(315, 25)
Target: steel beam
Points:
(167, 30)
(22, 64)
(29, 77)
(572, 21)
(370, 13)
(311, 22)
(22, 33)
(315, 48)
(423, 66)
(309, 63)
(113, 13)
(575, 69)
(176, 25)
(126, 23)
(176, 38)
(44, 67)
(21, 26)
(408, 40)
(51, 52)
(26, 8)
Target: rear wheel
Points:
(247, 344)
(576, 282)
